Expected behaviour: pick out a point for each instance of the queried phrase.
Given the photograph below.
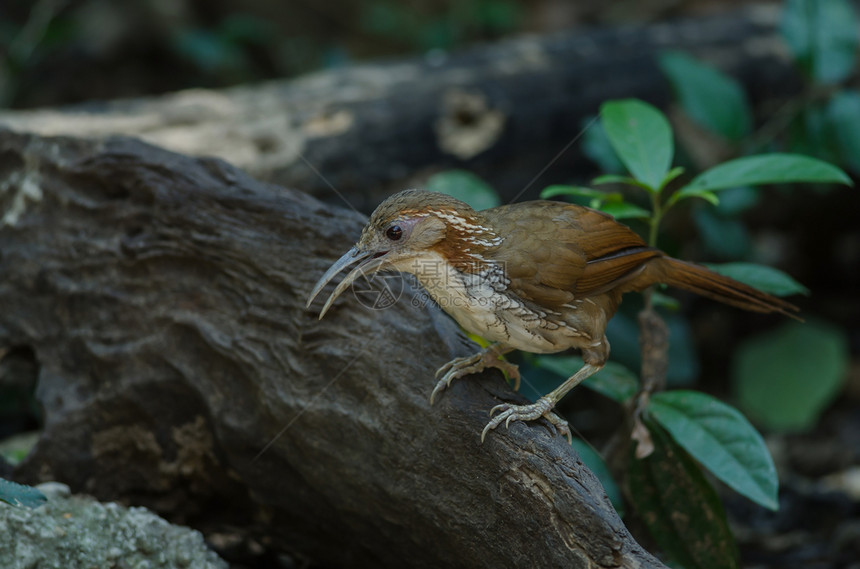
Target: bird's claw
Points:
(476, 363)
(541, 408)
(442, 384)
(449, 365)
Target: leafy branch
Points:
(689, 429)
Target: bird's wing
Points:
(615, 253)
(556, 252)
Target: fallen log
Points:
(510, 112)
(162, 301)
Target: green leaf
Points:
(843, 114)
(642, 138)
(687, 192)
(679, 507)
(811, 133)
(711, 98)
(616, 179)
(596, 145)
(822, 36)
(14, 449)
(611, 203)
(785, 378)
(671, 175)
(764, 278)
(20, 495)
(766, 169)
(660, 300)
(720, 438)
(614, 380)
(595, 463)
(464, 186)
(560, 190)
(624, 210)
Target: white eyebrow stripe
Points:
(462, 224)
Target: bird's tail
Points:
(703, 281)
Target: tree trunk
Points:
(511, 112)
(162, 299)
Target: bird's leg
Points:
(542, 407)
(491, 356)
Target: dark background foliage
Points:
(67, 51)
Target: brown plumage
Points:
(538, 276)
(585, 252)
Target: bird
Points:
(537, 276)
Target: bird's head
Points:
(407, 227)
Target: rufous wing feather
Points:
(705, 282)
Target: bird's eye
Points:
(394, 232)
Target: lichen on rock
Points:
(77, 531)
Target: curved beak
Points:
(354, 255)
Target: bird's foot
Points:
(476, 363)
(541, 408)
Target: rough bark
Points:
(509, 112)
(162, 299)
